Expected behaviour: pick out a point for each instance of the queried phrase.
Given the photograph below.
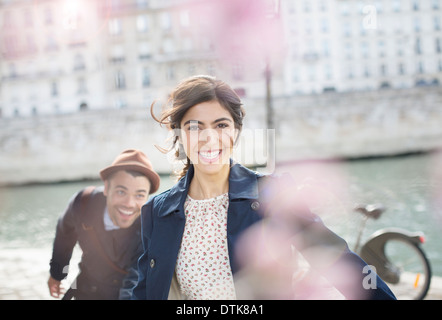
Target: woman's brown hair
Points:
(193, 91)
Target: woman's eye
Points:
(223, 125)
(193, 128)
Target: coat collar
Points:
(243, 184)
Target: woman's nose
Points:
(208, 135)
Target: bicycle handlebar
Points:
(373, 211)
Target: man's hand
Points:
(55, 289)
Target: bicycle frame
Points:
(373, 251)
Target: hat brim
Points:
(153, 177)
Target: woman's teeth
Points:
(210, 155)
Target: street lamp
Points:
(272, 14)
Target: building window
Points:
(311, 70)
(117, 54)
(379, 6)
(146, 77)
(187, 44)
(142, 4)
(417, 25)
(120, 80)
(350, 74)
(115, 27)
(437, 23)
(366, 72)
(166, 21)
(397, 5)
(438, 46)
(344, 9)
(308, 26)
(83, 106)
(170, 73)
(144, 51)
(364, 49)
(328, 72)
(383, 70)
(238, 71)
(82, 88)
(420, 67)
(307, 6)
(12, 70)
(48, 16)
(8, 22)
(418, 48)
(401, 69)
(416, 5)
(399, 48)
(185, 18)
(29, 22)
(120, 103)
(348, 51)
(142, 23)
(323, 5)
(381, 48)
(326, 48)
(211, 70)
(325, 25)
(191, 68)
(31, 47)
(51, 43)
(54, 89)
(168, 46)
(347, 29)
(295, 74)
(79, 62)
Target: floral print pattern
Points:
(203, 267)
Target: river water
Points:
(405, 185)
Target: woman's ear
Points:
(236, 135)
(180, 153)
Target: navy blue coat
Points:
(163, 222)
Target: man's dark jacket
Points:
(83, 222)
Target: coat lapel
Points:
(243, 192)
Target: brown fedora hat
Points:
(133, 160)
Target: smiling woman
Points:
(192, 233)
(206, 113)
(207, 136)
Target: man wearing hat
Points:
(105, 221)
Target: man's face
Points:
(125, 195)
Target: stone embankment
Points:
(333, 125)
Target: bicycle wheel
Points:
(412, 266)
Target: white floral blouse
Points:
(203, 267)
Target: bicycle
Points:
(396, 255)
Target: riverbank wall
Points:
(68, 147)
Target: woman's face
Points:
(207, 134)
